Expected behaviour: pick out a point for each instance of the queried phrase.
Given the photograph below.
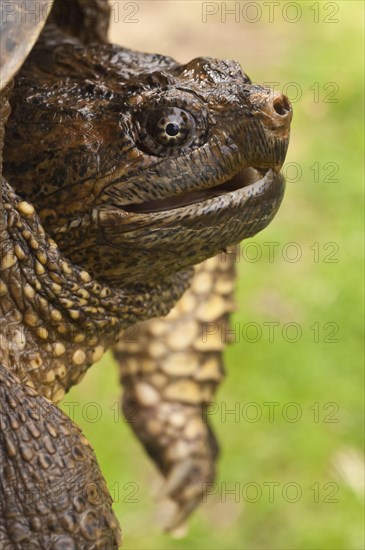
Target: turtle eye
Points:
(175, 128)
(165, 129)
(171, 128)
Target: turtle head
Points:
(145, 166)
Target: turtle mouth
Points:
(244, 178)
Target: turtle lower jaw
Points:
(247, 177)
(172, 240)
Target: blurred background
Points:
(292, 465)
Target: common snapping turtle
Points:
(122, 170)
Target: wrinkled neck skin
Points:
(55, 319)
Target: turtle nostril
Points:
(273, 108)
(282, 105)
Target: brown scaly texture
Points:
(59, 320)
(125, 210)
(41, 507)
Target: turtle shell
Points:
(20, 26)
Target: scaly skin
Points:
(40, 506)
(117, 220)
(59, 320)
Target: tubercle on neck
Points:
(55, 321)
(39, 279)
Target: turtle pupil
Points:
(172, 129)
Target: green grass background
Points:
(306, 452)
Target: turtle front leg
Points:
(170, 369)
(53, 494)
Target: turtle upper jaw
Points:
(229, 210)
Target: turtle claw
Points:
(175, 479)
(178, 532)
(175, 525)
(185, 486)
